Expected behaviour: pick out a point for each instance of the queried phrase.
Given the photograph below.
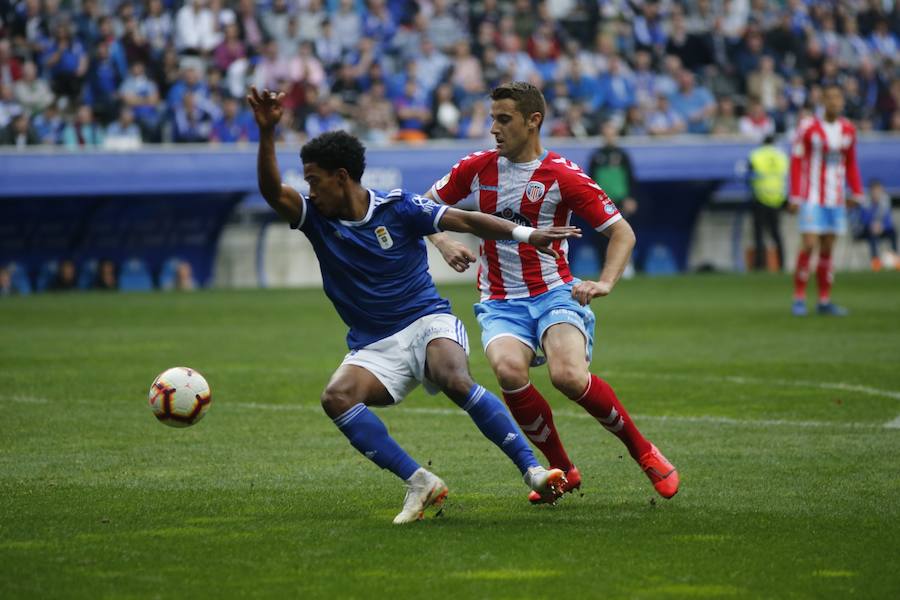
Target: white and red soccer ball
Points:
(179, 397)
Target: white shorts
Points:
(398, 361)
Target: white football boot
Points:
(423, 489)
(547, 483)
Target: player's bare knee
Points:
(336, 400)
(456, 383)
(568, 379)
(511, 376)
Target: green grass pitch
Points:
(786, 433)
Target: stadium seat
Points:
(87, 274)
(45, 276)
(168, 273)
(135, 276)
(19, 277)
(660, 261)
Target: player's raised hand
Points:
(267, 108)
(543, 238)
(585, 291)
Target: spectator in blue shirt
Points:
(617, 88)
(191, 124)
(140, 93)
(324, 119)
(229, 127)
(66, 62)
(694, 103)
(102, 87)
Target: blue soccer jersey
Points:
(375, 271)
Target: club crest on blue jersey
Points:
(384, 237)
(534, 191)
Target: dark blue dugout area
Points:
(141, 234)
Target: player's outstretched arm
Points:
(621, 243)
(489, 227)
(283, 199)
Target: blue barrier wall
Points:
(169, 201)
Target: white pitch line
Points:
(895, 424)
(743, 380)
(701, 419)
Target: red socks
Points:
(824, 277)
(533, 414)
(600, 401)
(801, 275)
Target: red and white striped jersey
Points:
(540, 193)
(823, 162)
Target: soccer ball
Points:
(179, 397)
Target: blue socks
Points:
(368, 434)
(495, 422)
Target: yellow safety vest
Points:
(769, 177)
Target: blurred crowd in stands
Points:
(119, 73)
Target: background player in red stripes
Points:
(823, 163)
(530, 302)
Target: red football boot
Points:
(660, 471)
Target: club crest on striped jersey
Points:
(534, 191)
(384, 237)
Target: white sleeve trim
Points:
(606, 224)
(436, 195)
(302, 220)
(440, 213)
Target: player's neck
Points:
(529, 153)
(830, 118)
(357, 206)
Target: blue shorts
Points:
(815, 218)
(526, 319)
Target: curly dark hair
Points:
(336, 150)
(528, 98)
